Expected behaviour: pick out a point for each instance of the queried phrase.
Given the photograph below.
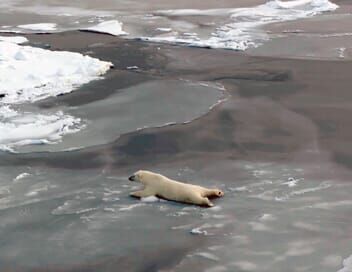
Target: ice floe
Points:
(42, 73)
(112, 27)
(347, 265)
(39, 27)
(29, 128)
(243, 29)
(28, 74)
(13, 39)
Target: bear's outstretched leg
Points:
(202, 201)
(142, 193)
(207, 202)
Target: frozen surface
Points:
(40, 27)
(347, 265)
(243, 28)
(13, 39)
(86, 203)
(228, 24)
(42, 73)
(25, 128)
(113, 27)
(39, 74)
(150, 104)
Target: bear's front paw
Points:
(135, 194)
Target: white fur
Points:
(161, 186)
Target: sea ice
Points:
(347, 265)
(39, 27)
(13, 39)
(112, 27)
(39, 74)
(243, 30)
(42, 73)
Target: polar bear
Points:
(163, 187)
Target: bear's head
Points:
(143, 176)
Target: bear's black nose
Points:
(131, 178)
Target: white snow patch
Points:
(134, 67)
(42, 73)
(150, 199)
(72, 207)
(341, 52)
(215, 208)
(164, 29)
(13, 39)
(37, 190)
(21, 176)
(198, 231)
(39, 27)
(30, 129)
(130, 207)
(112, 27)
(347, 265)
(291, 182)
(29, 74)
(267, 217)
(243, 30)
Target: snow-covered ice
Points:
(13, 39)
(112, 27)
(42, 73)
(39, 27)
(32, 128)
(347, 265)
(28, 74)
(243, 30)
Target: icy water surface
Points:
(273, 217)
(273, 134)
